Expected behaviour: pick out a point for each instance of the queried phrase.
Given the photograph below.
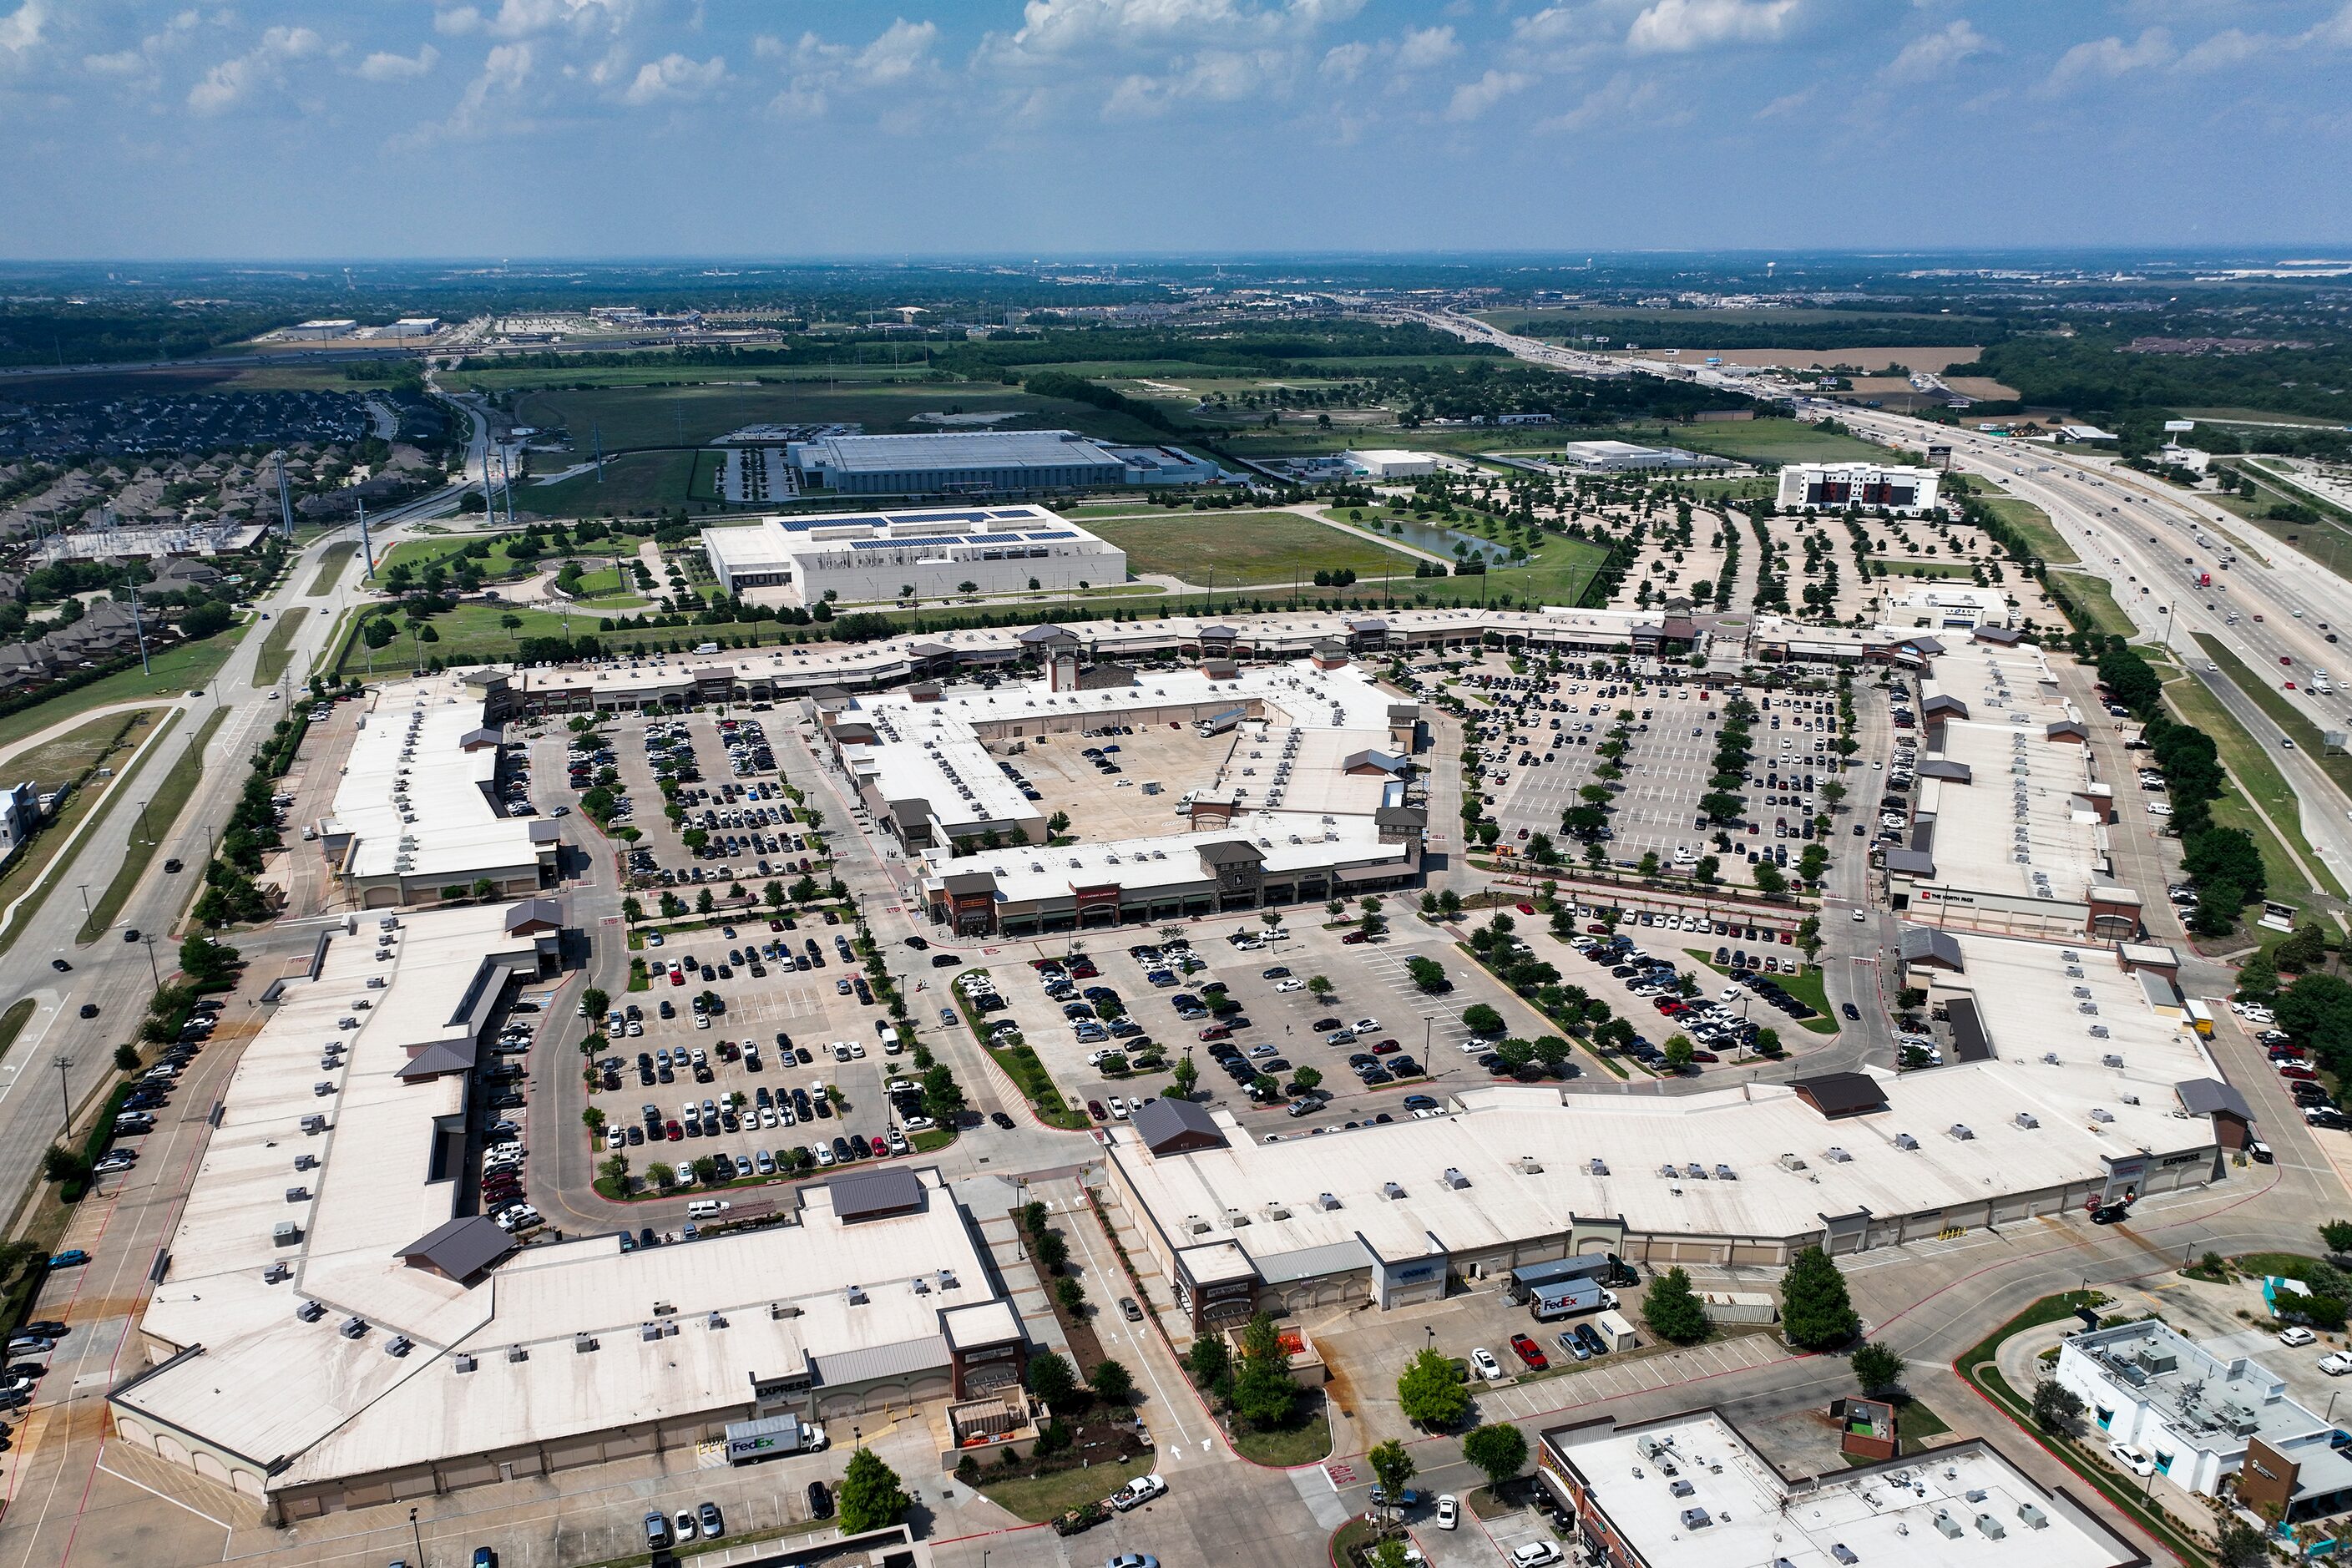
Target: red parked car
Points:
(1526, 909)
(1530, 1352)
(2297, 1070)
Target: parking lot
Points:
(1260, 995)
(1546, 740)
(736, 824)
(793, 1070)
(1131, 789)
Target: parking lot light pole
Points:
(418, 1536)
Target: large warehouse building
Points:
(859, 558)
(335, 1324)
(977, 463)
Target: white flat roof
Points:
(2011, 698)
(1648, 1478)
(2030, 1007)
(456, 832)
(270, 1386)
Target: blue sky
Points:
(388, 128)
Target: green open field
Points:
(632, 417)
(1755, 441)
(2252, 773)
(2096, 598)
(634, 483)
(176, 671)
(1245, 547)
(2031, 520)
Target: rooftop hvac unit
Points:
(1275, 1212)
(1234, 1219)
(297, 1195)
(1326, 1201)
(1962, 1131)
(857, 1295)
(2088, 1009)
(2050, 1056)
(352, 1327)
(399, 1344)
(2028, 1121)
(2111, 1060)
(1527, 1165)
(2075, 971)
(1836, 1156)
(1391, 1190)
(2099, 1032)
(583, 1344)
(1844, 1554)
(1694, 1171)
(310, 1311)
(778, 1311)
(650, 1331)
(1455, 1179)
(463, 1364)
(276, 1271)
(2131, 1099)
(1947, 1526)
(1905, 1141)
(2034, 1517)
(1789, 1163)
(1670, 1173)
(2082, 991)
(2068, 955)
(2100, 1113)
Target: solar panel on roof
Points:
(994, 538)
(1064, 534)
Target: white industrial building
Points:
(856, 558)
(1948, 606)
(2200, 1415)
(1624, 456)
(967, 463)
(1865, 487)
(335, 1325)
(1391, 463)
(1690, 1492)
(318, 331)
(415, 810)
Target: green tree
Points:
(1052, 1251)
(1876, 1367)
(593, 1120)
(1051, 1379)
(1769, 880)
(1184, 1077)
(1816, 1310)
(2337, 1235)
(595, 1000)
(1391, 1467)
(1305, 1078)
(1678, 1051)
(59, 1163)
(1319, 986)
(661, 1175)
(1481, 1019)
(2239, 1545)
(1497, 1449)
(1671, 1308)
(870, 1497)
(1264, 1393)
(1430, 1394)
(1112, 1383)
(1071, 1294)
(126, 1058)
(1427, 974)
(943, 1096)
(1210, 1364)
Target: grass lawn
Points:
(12, 1023)
(2041, 536)
(59, 762)
(1040, 1498)
(86, 804)
(1915, 566)
(175, 672)
(1806, 988)
(278, 647)
(53, 762)
(2274, 705)
(1307, 1440)
(1246, 547)
(164, 809)
(633, 483)
(331, 562)
(2094, 599)
(497, 566)
(1755, 441)
(2253, 773)
(2286, 1265)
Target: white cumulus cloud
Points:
(1472, 99)
(674, 76)
(529, 18)
(2109, 57)
(384, 65)
(1675, 26)
(230, 82)
(1932, 54)
(20, 30)
(1423, 47)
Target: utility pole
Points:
(65, 1098)
(152, 966)
(284, 500)
(367, 550)
(139, 627)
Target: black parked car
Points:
(819, 1501)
